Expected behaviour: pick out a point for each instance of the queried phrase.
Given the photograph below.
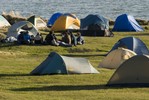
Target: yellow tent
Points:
(66, 22)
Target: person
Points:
(66, 38)
(26, 37)
(51, 39)
(108, 33)
(20, 38)
(38, 39)
(32, 39)
(23, 37)
(80, 39)
(73, 39)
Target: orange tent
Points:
(66, 22)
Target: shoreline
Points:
(12, 19)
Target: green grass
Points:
(17, 61)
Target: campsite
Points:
(104, 67)
(17, 61)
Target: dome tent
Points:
(37, 21)
(53, 18)
(132, 43)
(133, 72)
(16, 28)
(66, 22)
(116, 57)
(57, 64)
(94, 25)
(126, 23)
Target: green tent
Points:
(57, 64)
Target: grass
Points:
(17, 61)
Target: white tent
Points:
(57, 64)
(16, 28)
(3, 22)
(115, 58)
(134, 72)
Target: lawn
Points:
(17, 61)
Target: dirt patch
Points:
(12, 53)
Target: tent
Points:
(16, 28)
(132, 43)
(37, 21)
(65, 22)
(57, 64)
(71, 15)
(53, 18)
(133, 72)
(115, 58)
(94, 25)
(3, 22)
(126, 22)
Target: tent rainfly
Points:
(57, 64)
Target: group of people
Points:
(68, 39)
(25, 38)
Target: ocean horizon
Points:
(107, 8)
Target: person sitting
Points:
(23, 38)
(73, 38)
(108, 33)
(66, 38)
(51, 39)
(80, 39)
(32, 39)
(26, 38)
(20, 38)
(38, 39)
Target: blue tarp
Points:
(53, 18)
(125, 23)
(132, 43)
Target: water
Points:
(108, 8)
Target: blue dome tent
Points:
(132, 43)
(126, 23)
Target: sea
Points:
(108, 8)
